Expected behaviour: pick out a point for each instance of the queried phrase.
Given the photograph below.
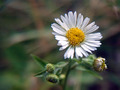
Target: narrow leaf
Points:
(82, 68)
(61, 64)
(77, 60)
(40, 74)
(58, 71)
(39, 61)
(95, 74)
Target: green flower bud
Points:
(99, 64)
(62, 76)
(50, 68)
(52, 78)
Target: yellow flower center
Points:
(75, 36)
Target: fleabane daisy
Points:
(74, 33)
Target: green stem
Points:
(68, 71)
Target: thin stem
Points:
(68, 71)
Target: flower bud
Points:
(99, 64)
(62, 76)
(52, 78)
(50, 68)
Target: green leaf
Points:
(82, 68)
(39, 61)
(40, 74)
(58, 71)
(77, 60)
(89, 60)
(61, 64)
(95, 74)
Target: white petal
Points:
(93, 44)
(59, 32)
(58, 29)
(79, 20)
(66, 16)
(72, 53)
(65, 21)
(58, 21)
(76, 55)
(68, 21)
(85, 48)
(62, 43)
(54, 33)
(93, 41)
(60, 38)
(65, 27)
(85, 22)
(93, 36)
(63, 47)
(89, 26)
(63, 24)
(71, 18)
(75, 17)
(55, 25)
(83, 52)
(67, 52)
(91, 48)
(78, 52)
(94, 28)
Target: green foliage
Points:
(50, 68)
(40, 74)
(53, 78)
(58, 68)
(86, 64)
(95, 74)
(61, 64)
(39, 61)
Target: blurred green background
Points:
(25, 28)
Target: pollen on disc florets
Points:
(75, 36)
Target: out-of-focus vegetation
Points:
(25, 29)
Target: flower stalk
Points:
(67, 74)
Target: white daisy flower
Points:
(74, 32)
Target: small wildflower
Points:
(50, 68)
(99, 64)
(52, 78)
(74, 32)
